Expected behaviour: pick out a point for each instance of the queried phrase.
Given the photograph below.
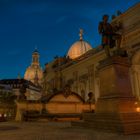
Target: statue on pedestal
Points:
(110, 37)
(67, 90)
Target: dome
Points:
(31, 72)
(79, 48)
(34, 72)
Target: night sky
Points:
(51, 25)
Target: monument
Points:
(116, 107)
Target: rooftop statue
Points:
(110, 37)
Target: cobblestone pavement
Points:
(54, 131)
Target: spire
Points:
(18, 77)
(36, 49)
(35, 57)
(81, 34)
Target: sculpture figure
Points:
(110, 37)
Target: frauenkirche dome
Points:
(79, 48)
(34, 72)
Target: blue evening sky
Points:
(51, 25)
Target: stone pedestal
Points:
(116, 108)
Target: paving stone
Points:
(55, 131)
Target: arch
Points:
(73, 97)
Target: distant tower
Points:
(34, 72)
(35, 58)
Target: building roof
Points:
(16, 83)
(5, 87)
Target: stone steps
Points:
(128, 123)
(127, 118)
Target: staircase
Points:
(127, 123)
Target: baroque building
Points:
(73, 71)
(78, 69)
(22, 89)
(71, 85)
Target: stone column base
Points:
(116, 105)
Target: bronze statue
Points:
(67, 90)
(109, 36)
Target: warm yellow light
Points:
(138, 109)
(136, 103)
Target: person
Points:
(109, 36)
